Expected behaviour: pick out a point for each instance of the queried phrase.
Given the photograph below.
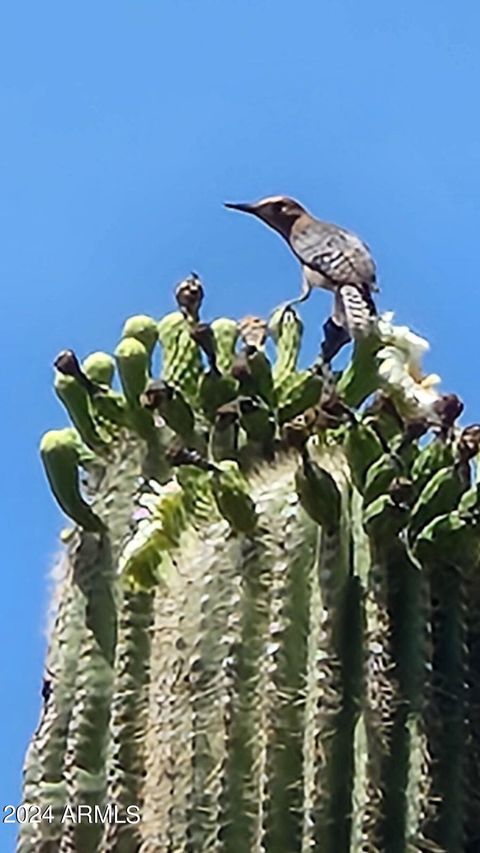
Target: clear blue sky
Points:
(125, 126)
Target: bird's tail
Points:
(354, 309)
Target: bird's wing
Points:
(354, 309)
(335, 253)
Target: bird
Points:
(332, 258)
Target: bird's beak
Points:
(246, 208)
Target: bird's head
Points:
(280, 212)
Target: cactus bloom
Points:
(400, 367)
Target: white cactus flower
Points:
(400, 368)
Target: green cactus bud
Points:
(298, 392)
(59, 450)
(255, 375)
(318, 493)
(379, 477)
(111, 406)
(133, 368)
(434, 456)
(439, 496)
(143, 329)
(257, 420)
(181, 358)
(362, 448)
(77, 403)
(230, 492)
(215, 391)
(226, 335)
(405, 451)
(87, 458)
(382, 414)
(383, 518)
(224, 435)
(286, 329)
(169, 402)
(99, 367)
(179, 416)
(262, 376)
(169, 328)
(447, 537)
(469, 503)
(360, 377)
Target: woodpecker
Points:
(331, 258)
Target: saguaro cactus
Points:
(267, 632)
